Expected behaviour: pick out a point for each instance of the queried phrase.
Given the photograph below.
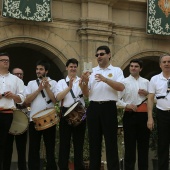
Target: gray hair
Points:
(163, 55)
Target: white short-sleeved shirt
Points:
(10, 82)
(130, 94)
(40, 103)
(158, 86)
(68, 99)
(100, 91)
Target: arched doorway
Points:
(26, 57)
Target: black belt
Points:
(102, 102)
(163, 110)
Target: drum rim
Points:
(76, 103)
(33, 118)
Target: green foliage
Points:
(57, 107)
(86, 146)
(154, 136)
(120, 112)
(120, 134)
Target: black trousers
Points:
(5, 123)
(136, 135)
(34, 147)
(102, 120)
(77, 133)
(163, 122)
(21, 141)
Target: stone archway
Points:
(39, 40)
(140, 49)
(147, 50)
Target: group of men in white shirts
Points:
(106, 88)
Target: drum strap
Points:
(71, 91)
(42, 92)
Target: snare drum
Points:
(45, 119)
(75, 114)
(20, 123)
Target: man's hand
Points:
(131, 106)
(71, 83)
(9, 95)
(84, 79)
(150, 123)
(142, 92)
(99, 78)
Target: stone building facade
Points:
(77, 29)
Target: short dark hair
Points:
(44, 63)
(71, 60)
(140, 62)
(4, 54)
(104, 47)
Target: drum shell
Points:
(77, 115)
(47, 120)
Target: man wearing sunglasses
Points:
(102, 87)
(21, 140)
(11, 92)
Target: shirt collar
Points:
(5, 75)
(108, 68)
(48, 78)
(133, 77)
(68, 79)
(162, 77)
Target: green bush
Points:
(153, 135)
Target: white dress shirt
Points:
(158, 86)
(40, 103)
(10, 82)
(100, 91)
(130, 94)
(68, 99)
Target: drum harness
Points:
(167, 92)
(42, 93)
(72, 94)
(74, 97)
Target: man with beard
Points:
(40, 94)
(64, 94)
(136, 133)
(102, 87)
(11, 92)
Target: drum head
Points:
(43, 112)
(20, 123)
(71, 108)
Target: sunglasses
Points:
(101, 54)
